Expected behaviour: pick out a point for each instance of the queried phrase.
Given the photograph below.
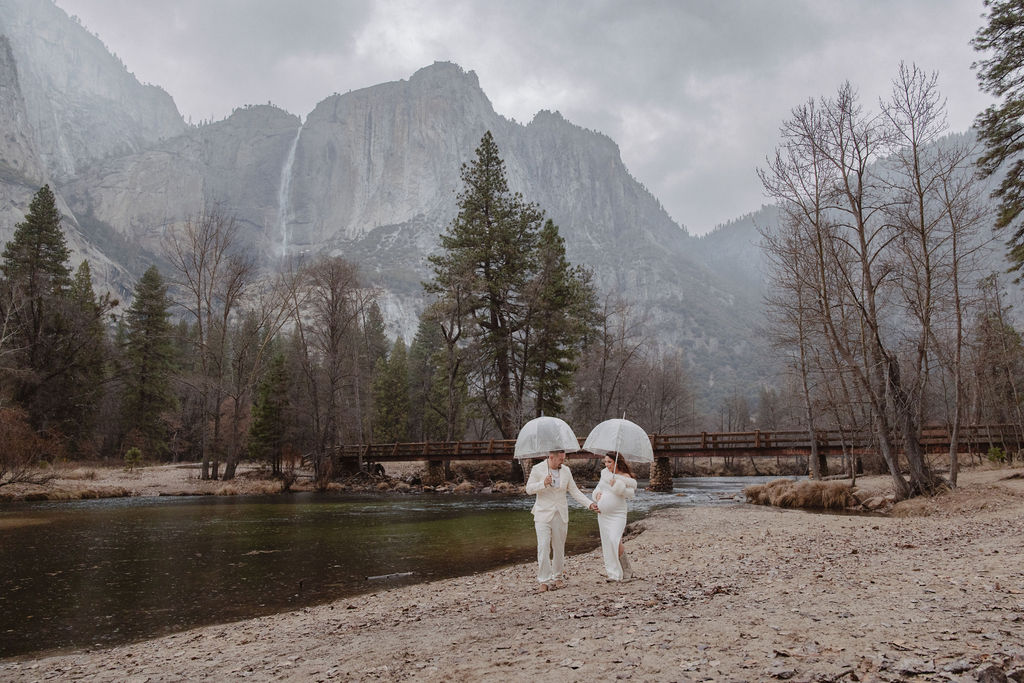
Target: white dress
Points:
(614, 490)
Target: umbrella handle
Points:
(618, 439)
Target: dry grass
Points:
(80, 474)
(968, 500)
(787, 493)
(258, 487)
(505, 487)
(66, 494)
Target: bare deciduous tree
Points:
(326, 304)
(213, 274)
(870, 255)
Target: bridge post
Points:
(435, 472)
(661, 475)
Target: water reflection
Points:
(98, 572)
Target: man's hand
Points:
(593, 506)
(547, 480)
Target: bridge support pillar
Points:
(661, 475)
(521, 469)
(435, 472)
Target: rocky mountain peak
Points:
(82, 103)
(445, 75)
(256, 116)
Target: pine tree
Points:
(36, 277)
(375, 339)
(268, 435)
(37, 255)
(489, 252)
(56, 325)
(391, 396)
(504, 281)
(373, 347)
(149, 354)
(1001, 125)
(562, 313)
(88, 354)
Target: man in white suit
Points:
(549, 481)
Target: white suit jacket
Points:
(551, 499)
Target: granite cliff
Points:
(372, 175)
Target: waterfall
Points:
(284, 192)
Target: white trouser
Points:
(550, 549)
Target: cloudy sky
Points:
(693, 91)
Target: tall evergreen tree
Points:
(56, 325)
(422, 369)
(88, 347)
(375, 338)
(504, 283)
(37, 255)
(391, 396)
(437, 393)
(370, 351)
(1001, 125)
(36, 277)
(562, 312)
(489, 251)
(268, 436)
(149, 354)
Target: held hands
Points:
(593, 506)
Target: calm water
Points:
(102, 572)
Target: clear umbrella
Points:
(544, 434)
(622, 437)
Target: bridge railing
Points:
(419, 450)
(669, 445)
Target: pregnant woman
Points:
(617, 484)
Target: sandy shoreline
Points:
(75, 482)
(738, 592)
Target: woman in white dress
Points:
(616, 486)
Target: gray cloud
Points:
(693, 92)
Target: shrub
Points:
(787, 493)
(996, 454)
(24, 451)
(132, 458)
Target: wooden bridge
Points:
(975, 438)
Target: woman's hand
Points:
(597, 496)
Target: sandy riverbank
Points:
(76, 481)
(743, 593)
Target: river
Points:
(101, 572)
